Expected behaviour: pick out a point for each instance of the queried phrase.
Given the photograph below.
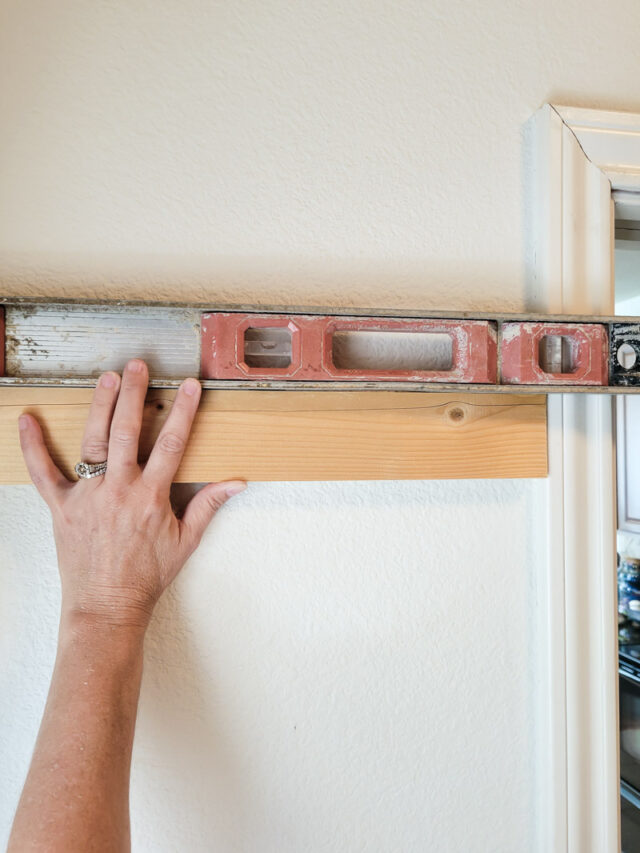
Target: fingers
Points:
(45, 475)
(169, 448)
(201, 509)
(95, 442)
(127, 421)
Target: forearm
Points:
(119, 546)
(76, 796)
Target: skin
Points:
(119, 546)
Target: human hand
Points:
(118, 540)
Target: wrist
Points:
(95, 628)
(115, 608)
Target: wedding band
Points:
(86, 470)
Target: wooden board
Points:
(307, 435)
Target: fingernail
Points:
(235, 488)
(136, 365)
(23, 422)
(191, 386)
(107, 380)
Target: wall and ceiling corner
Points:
(580, 157)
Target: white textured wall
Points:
(343, 667)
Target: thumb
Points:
(203, 506)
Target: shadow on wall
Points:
(331, 643)
(183, 745)
(456, 283)
(184, 750)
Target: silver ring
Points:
(87, 470)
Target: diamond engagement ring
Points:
(85, 470)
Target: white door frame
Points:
(580, 157)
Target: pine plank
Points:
(307, 435)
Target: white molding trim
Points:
(578, 153)
(610, 140)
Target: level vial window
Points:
(267, 347)
(626, 356)
(378, 350)
(557, 354)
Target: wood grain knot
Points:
(456, 414)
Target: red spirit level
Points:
(70, 342)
